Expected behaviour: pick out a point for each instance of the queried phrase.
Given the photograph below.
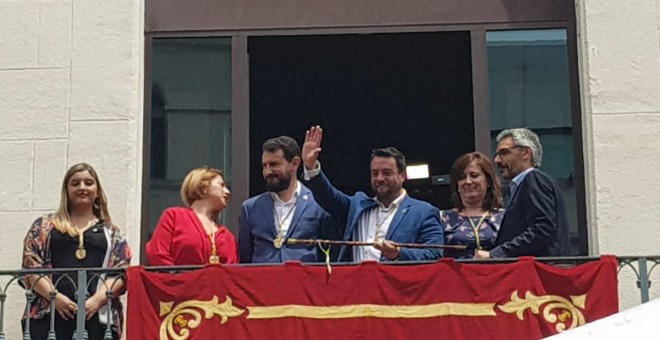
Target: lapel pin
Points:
(305, 197)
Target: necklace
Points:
(379, 222)
(81, 252)
(214, 258)
(278, 242)
(475, 228)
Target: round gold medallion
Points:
(81, 253)
(278, 241)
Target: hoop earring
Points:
(96, 205)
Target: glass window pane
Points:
(367, 91)
(190, 115)
(529, 86)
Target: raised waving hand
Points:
(312, 147)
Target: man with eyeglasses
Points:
(535, 222)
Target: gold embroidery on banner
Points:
(568, 309)
(182, 318)
(175, 316)
(165, 307)
(374, 311)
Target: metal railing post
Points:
(81, 296)
(51, 331)
(643, 283)
(107, 335)
(29, 295)
(3, 297)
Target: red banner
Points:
(520, 300)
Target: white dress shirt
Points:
(283, 211)
(373, 224)
(372, 227)
(515, 182)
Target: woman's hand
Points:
(481, 254)
(66, 308)
(93, 304)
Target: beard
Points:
(384, 193)
(278, 183)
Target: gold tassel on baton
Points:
(321, 243)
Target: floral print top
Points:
(459, 231)
(37, 255)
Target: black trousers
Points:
(64, 329)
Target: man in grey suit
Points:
(287, 210)
(535, 222)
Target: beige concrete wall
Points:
(70, 91)
(619, 58)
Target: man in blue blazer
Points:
(287, 210)
(535, 222)
(390, 217)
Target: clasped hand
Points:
(67, 309)
(388, 249)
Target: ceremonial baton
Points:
(294, 241)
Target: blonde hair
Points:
(62, 220)
(196, 184)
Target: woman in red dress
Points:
(192, 235)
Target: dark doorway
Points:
(409, 90)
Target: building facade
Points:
(145, 91)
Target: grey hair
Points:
(525, 137)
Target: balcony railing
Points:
(641, 267)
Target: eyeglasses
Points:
(505, 151)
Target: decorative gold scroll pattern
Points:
(568, 309)
(178, 327)
(175, 317)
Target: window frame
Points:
(212, 18)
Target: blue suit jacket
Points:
(414, 222)
(257, 230)
(535, 222)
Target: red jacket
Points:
(180, 239)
